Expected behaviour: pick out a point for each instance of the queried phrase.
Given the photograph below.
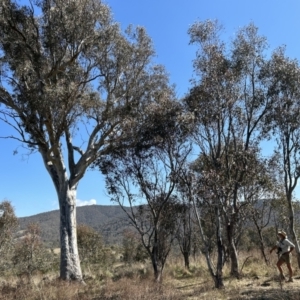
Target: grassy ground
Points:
(123, 282)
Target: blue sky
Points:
(23, 179)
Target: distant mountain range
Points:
(109, 220)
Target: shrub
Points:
(30, 254)
(133, 250)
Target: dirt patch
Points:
(254, 288)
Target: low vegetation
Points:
(121, 280)
(29, 268)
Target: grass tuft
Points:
(135, 282)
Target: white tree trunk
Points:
(69, 264)
(66, 191)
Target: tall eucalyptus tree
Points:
(66, 67)
(228, 102)
(282, 75)
(146, 177)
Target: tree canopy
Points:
(67, 69)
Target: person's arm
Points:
(292, 246)
(273, 249)
(291, 249)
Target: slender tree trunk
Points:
(234, 269)
(155, 263)
(157, 273)
(217, 275)
(219, 281)
(69, 264)
(186, 256)
(220, 262)
(185, 249)
(261, 243)
(292, 227)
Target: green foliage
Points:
(89, 244)
(91, 248)
(30, 254)
(133, 250)
(8, 225)
(72, 67)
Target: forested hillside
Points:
(110, 221)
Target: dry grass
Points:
(135, 282)
(54, 289)
(137, 289)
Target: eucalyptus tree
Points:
(8, 225)
(194, 187)
(228, 103)
(30, 254)
(90, 245)
(282, 75)
(146, 178)
(262, 190)
(185, 231)
(73, 86)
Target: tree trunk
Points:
(262, 244)
(66, 191)
(156, 266)
(186, 256)
(217, 274)
(69, 263)
(234, 270)
(292, 228)
(220, 262)
(219, 281)
(158, 275)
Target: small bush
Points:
(133, 250)
(30, 254)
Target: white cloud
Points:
(85, 202)
(78, 203)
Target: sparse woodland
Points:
(29, 269)
(203, 199)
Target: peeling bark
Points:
(70, 264)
